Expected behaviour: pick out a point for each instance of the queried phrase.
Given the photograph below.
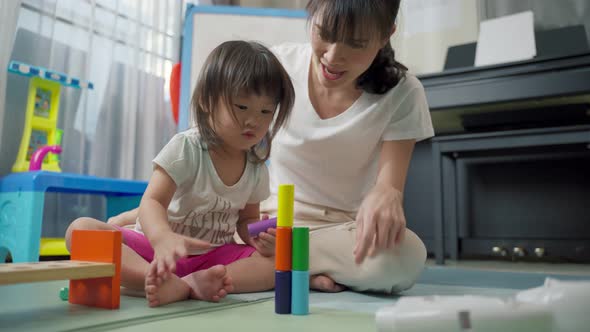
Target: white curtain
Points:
(127, 49)
(8, 17)
(147, 119)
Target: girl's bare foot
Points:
(212, 284)
(208, 285)
(325, 284)
(160, 293)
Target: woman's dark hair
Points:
(344, 20)
(236, 67)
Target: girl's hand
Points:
(168, 248)
(381, 223)
(265, 242)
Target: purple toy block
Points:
(261, 226)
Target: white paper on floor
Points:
(556, 306)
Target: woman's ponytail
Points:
(383, 74)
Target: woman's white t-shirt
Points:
(334, 162)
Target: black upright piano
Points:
(507, 175)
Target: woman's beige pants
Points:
(332, 239)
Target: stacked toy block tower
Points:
(292, 258)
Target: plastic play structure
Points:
(22, 198)
(40, 128)
(39, 155)
(36, 171)
(40, 133)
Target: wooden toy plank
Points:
(14, 273)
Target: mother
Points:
(347, 147)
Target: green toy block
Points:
(63, 293)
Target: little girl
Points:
(207, 183)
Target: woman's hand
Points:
(168, 248)
(265, 242)
(381, 223)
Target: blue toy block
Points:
(22, 197)
(300, 292)
(283, 292)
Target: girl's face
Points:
(340, 64)
(253, 116)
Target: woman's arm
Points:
(380, 221)
(265, 241)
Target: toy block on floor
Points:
(94, 270)
(17, 273)
(97, 246)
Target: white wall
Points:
(426, 29)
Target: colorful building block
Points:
(97, 246)
(300, 271)
(299, 292)
(283, 256)
(286, 197)
(18, 273)
(283, 292)
(94, 271)
(283, 247)
(63, 293)
(300, 249)
(261, 226)
(292, 258)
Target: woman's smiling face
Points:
(340, 58)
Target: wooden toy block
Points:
(94, 271)
(57, 270)
(97, 246)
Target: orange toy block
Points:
(283, 249)
(97, 246)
